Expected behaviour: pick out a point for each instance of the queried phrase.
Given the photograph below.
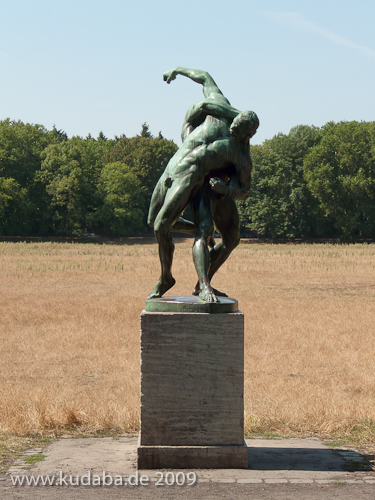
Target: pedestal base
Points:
(193, 457)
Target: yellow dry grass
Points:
(69, 333)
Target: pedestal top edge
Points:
(191, 304)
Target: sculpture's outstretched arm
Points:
(198, 76)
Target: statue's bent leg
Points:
(166, 280)
(227, 221)
(201, 255)
(174, 202)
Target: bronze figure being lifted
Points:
(210, 170)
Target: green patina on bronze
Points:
(211, 169)
(191, 304)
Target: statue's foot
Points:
(161, 287)
(207, 294)
(196, 292)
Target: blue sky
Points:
(88, 66)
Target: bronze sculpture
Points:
(210, 170)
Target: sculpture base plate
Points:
(192, 457)
(191, 304)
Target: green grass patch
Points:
(333, 444)
(13, 447)
(33, 459)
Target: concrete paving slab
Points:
(279, 461)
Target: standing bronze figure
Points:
(210, 170)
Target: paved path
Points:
(286, 468)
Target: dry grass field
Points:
(69, 334)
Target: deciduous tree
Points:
(340, 172)
(122, 203)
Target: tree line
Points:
(53, 185)
(313, 182)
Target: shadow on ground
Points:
(306, 459)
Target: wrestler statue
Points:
(210, 170)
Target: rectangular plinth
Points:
(192, 380)
(192, 457)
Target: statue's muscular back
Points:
(209, 146)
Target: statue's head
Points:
(245, 125)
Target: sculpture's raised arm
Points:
(215, 103)
(197, 75)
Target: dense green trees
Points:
(50, 184)
(279, 202)
(15, 208)
(145, 156)
(312, 182)
(340, 174)
(122, 206)
(21, 148)
(70, 172)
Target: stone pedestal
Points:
(192, 379)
